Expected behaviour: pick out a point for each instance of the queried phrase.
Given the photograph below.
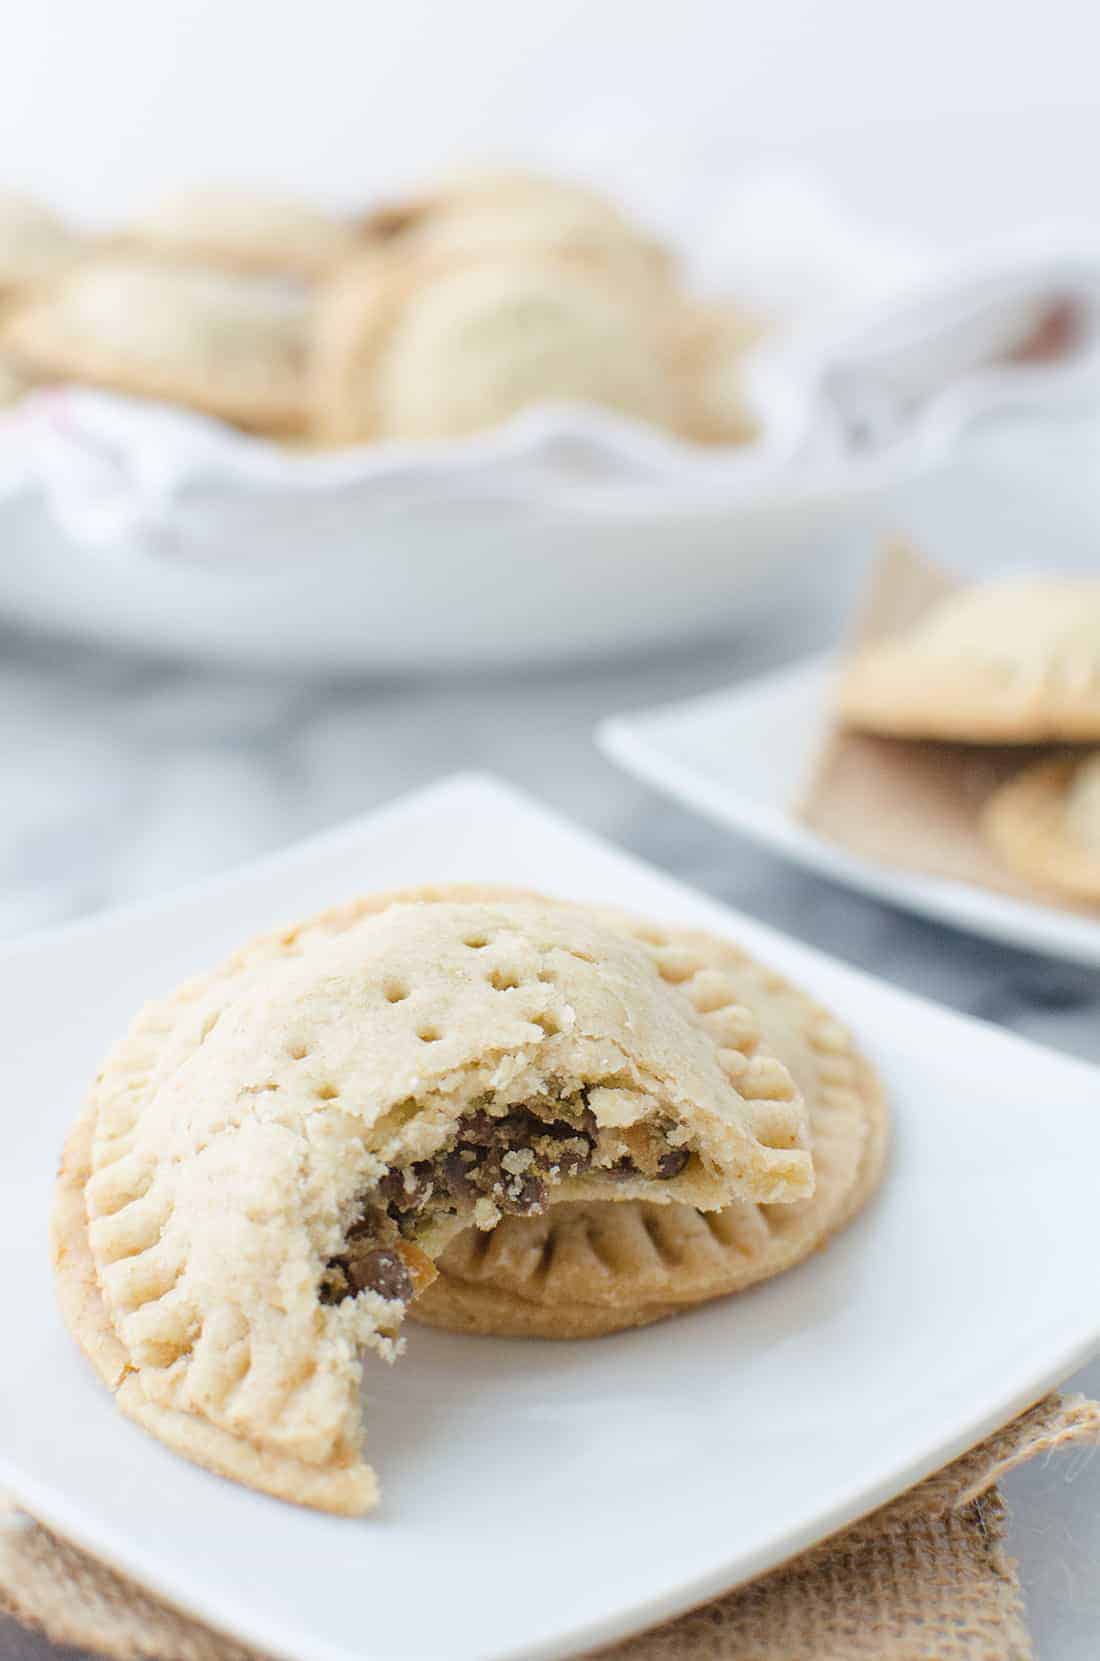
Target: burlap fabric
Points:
(924, 1579)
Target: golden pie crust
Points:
(231, 1136)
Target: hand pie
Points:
(581, 1269)
(1045, 825)
(233, 347)
(1010, 662)
(412, 348)
(244, 230)
(35, 247)
(273, 1156)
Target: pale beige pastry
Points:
(581, 1270)
(1010, 662)
(1045, 824)
(489, 213)
(272, 1156)
(231, 346)
(36, 246)
(408, 348)
(244, 230)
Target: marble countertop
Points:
(125, 778)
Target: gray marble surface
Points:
(124, 778)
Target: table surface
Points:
(134, 777)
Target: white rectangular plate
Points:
(742, 756)
(539, 1498)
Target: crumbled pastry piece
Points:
(414, 348)
(244, 230)
(231, 346)
(1045, 825)
(273, 1158)
(1016, 661)
(36, 246)
(583, 1269)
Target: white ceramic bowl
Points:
(566, 532)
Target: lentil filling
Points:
(510, 1159)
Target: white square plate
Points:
(540, 1498)
(743, 755)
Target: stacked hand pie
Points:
(511, 1114)
(434, 317)
(1015, 662)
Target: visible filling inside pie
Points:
(502, 1163)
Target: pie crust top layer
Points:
(1010, 661)
(256, 1133)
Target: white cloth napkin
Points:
(880, 357)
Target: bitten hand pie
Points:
(419, 348)
(231, 346)
(244, 230)
(580, 1270)
(273, 1156)
(1008, 662)
(1045, 825)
